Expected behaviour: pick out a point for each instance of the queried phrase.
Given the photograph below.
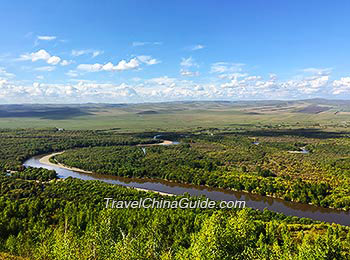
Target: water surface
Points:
(252, 200)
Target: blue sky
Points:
(136, 51)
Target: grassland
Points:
(179, 116)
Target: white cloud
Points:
(165, 80)
(40, 55)
(226, 67)
(187, 73)
(79, 52)
(35, 56)
(231, 76)
(46, 38)
(66, 62)
(137, 44)
(108, 67)
(128, 65)
(230, 82)
(6, 74)
(273, 76)
(252, 78)
(234, 83)
(189, 62)
(45, 68)
(72, 73)
(97, 53)
(161, 89)
(243, 85)
(54, 60)
(148, 60)
(318, 71)
(121, 66)
(90, 67)
(125, 91)
(197, 47)
(341, 86)
(307, 85)
(93, 53)
(199, 88)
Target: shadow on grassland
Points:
(43, 112)
(308, 133)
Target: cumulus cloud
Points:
(35, 56)
(341, 86)
(124, 90)
(257, 87)
(67, 93)
(54, 60)
(41, 55)
(240, 86)
(147, 60)
(122, 65)
(227, 81)
(310, 84)
(128, 65)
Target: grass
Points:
(180, 116)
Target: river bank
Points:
(172, 189)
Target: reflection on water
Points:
(252, 200)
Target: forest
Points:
(66, 219)
(21, 144)
(44, 217)
(274, 166)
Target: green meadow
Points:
(178, 115)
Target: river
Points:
(252, 200)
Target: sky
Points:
(155, 50)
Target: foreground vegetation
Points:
(67, 220)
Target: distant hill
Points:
(62, 111)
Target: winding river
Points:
(165, 187)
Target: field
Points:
(179, 116)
